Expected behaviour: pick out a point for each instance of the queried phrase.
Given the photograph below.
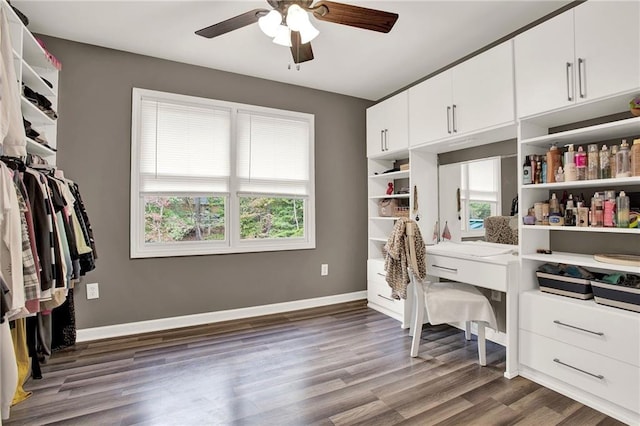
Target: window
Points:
(479, 194)
(213, 177)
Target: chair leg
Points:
(467, 330)
(418, 319)
(482, 344)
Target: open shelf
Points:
(39, 149)
(610, 183)
(585, 135)
(585, 260)
(402, 174)
(32, 79)
(582, 229)
(378, 197)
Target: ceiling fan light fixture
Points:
(296, 17)
(283, 36)
(270, 23)
(308, 33)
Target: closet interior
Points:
(47, 243)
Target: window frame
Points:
(466, 197)
(232, 242)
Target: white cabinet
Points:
(387, 126)
(587, 351)
(379, 229)
(430, 109)
(581, 55)
(33, 68)
(582, 349)
(474, 95)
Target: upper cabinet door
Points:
(387, 126)
(544, 60)
(483, 90)
(431, 110)
(607, 43)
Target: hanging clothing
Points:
(43, 229)
(12, 135)
(63, 334)
(19, 338)
(11, 244)
(397, 258)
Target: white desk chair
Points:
(448, 302)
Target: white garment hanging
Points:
(11, 243)
(12, 135)
(8, 370)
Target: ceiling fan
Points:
(288, 22)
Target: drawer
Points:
(379, 293)
(618, 383)
(608, 331)
(482, 274)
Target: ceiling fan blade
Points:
(231, 24)
(354, 16)
(300, 52)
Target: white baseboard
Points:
(127, 329)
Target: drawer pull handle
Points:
(385, 297)
(381, 274)
(597, 376)
(597, 333)
(446, 269)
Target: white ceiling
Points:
(427, 36)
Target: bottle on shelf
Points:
(526, 171)
(537, 176)
(543, 173)
(569, 164)
(623, 210)
(559, 176)
(581, 164)
(609, 209)
(605, 167)
(569, 212)
(554, 160)
(623, 161)
(613, 159)
(593, 162)
(597, 211)
(555, 217)
(635, 158)
(582, 217)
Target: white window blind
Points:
(272, 154)
(184, 148)
(480, 180)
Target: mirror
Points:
(474, 184)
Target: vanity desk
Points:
(487, 265)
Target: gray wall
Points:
(94, 135)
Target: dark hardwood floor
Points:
(338, 365)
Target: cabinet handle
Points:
(597, 333)
(448, 120)
(381, 143)
(580, 75)
(386, 298)
(597, 376)
(386, 140)
(569, 97)
(446, 269)
(453, 116)
(381, 274)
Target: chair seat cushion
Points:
(448, 302)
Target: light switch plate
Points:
(93, 291)
(324, 269)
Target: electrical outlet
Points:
(496, 295)
(93, 291)
(324, 269)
